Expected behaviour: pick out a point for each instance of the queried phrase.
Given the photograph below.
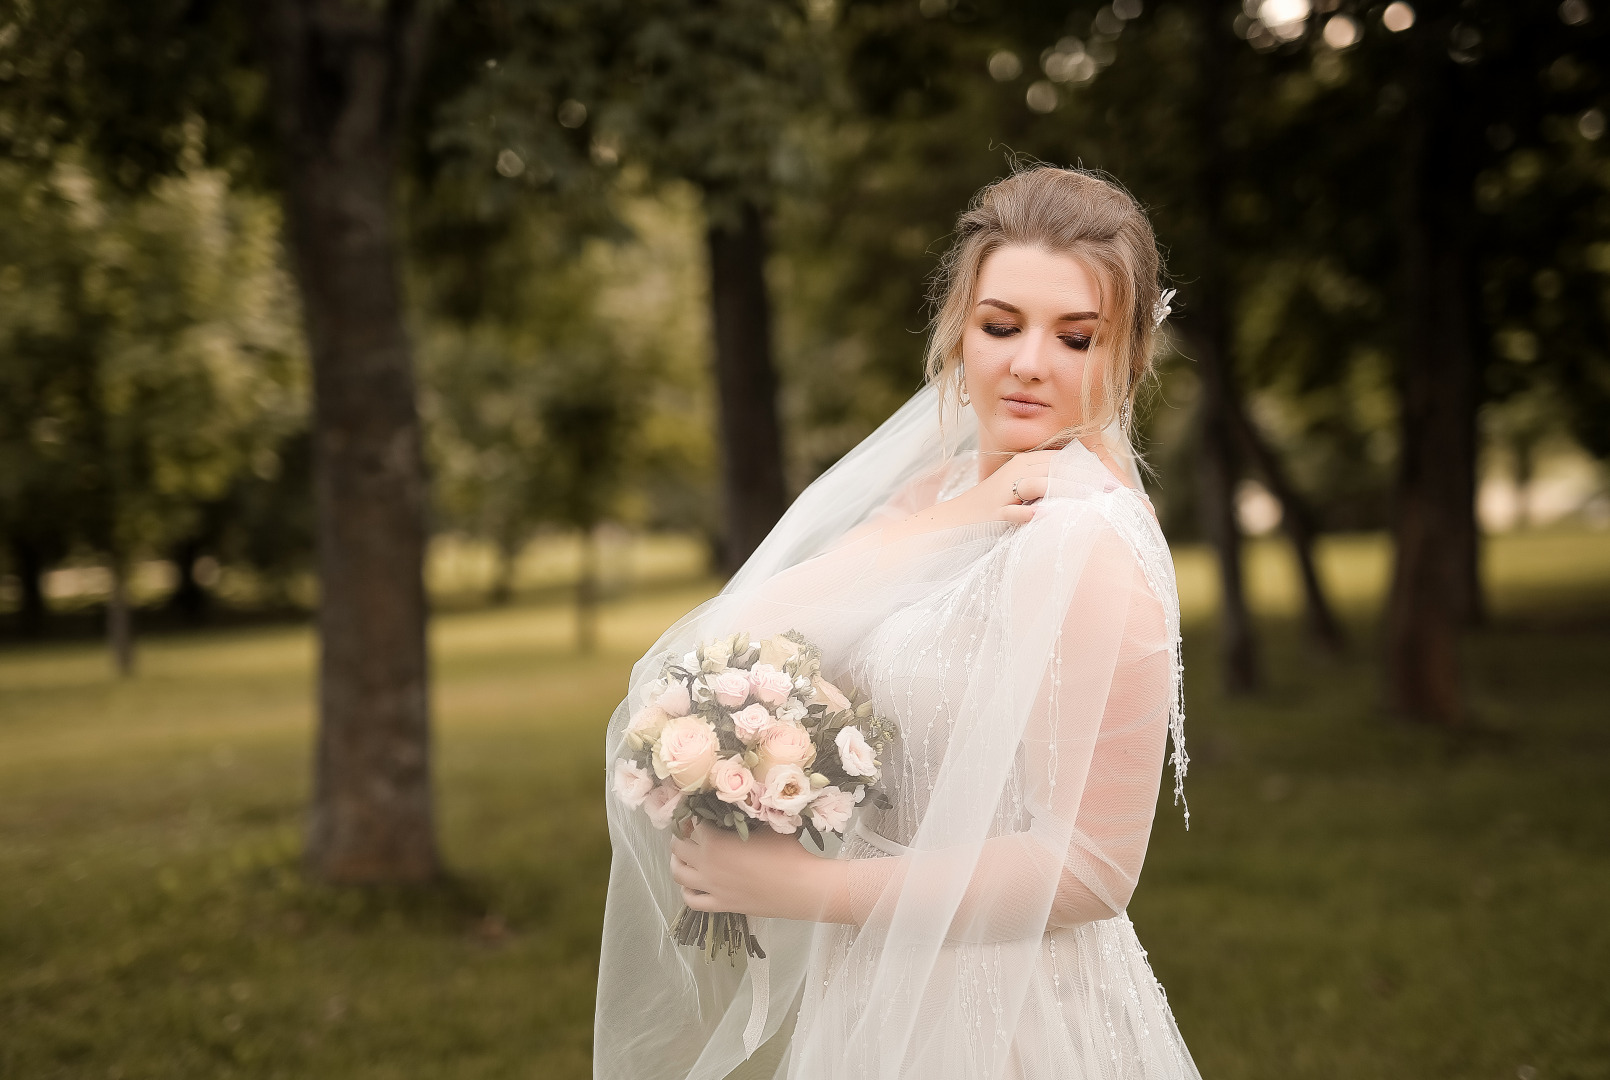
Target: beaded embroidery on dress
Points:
(1034, 673)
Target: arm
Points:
(1096, 746)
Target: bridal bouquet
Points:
(745, 733)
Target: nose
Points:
(1032, 362)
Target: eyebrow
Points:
(1072, 316)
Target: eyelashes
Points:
(1076, 342)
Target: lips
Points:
(1023, 405)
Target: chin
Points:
(1016, 435)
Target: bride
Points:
(987, 570)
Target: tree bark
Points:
(1297, 520)
(751, 440)
(341, 77)
(1434, 531)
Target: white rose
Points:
(687, 748)
(826, 693)
(731, 688)
(716, 655)
(661, 803)
(674, 700)
(632, 782)
(830, 810)
(731, 781)
(777, 650)
(750, 721)
(857, 756)
(645, 726)
(786, 789)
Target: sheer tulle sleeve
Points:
(1089, 761)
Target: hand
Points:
(1030, 472)
(770, 875)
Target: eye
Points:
(999, 329)
(1076, 342)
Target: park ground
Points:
(1355, 897)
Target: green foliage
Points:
(152, 349)
(580, 395)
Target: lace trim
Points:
(1126, 509)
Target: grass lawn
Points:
(1355, 898)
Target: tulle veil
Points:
(1013, 819)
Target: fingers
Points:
(685, 875)
(699, 901)
(1030, 488)
(1017, 514)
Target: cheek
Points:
(987, 358)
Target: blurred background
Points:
(377, 381)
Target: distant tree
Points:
(157, 356)
(699, 92)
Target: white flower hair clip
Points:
(1163, 308)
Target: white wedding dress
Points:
(1033, 674)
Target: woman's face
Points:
(1028, 340)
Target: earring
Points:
(1123, 416)
(961, 384)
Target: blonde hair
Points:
(1072, 212)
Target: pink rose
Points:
(825, 693)
(750, 721)
(731, 688)
(675, 700)
(731, 779)
(784, 744)
(830, 810)
(779, 821)
(645, 726)
(770, 685)
(632, 782)
(685, 752)
(660, 805)
(786, 789)
(857, 756)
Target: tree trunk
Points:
(341, 76)
(1206, 325)
(1217, 471)
(189, 598)
(1434, 575)
(29, 565)
(508, 564)
(1297, 519)
(751, 441)
(120, 620)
